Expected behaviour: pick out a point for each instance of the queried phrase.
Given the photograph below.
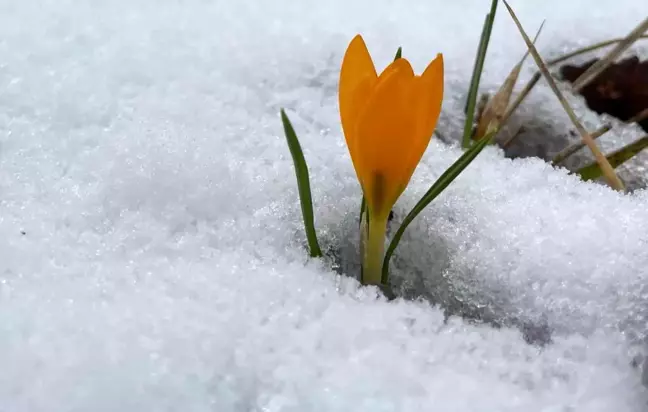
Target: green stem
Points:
(374, 252)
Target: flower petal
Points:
(384, 135)
(355, 80)
(433, 79)
(428, 93)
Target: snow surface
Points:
(151, 246)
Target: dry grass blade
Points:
(591, 73)
(607, 170)
(570, 150)
(536, 77)
(616, 158)
(588, 49)
(516, 103)
(494, 111)
(481, 105)
(639, 117)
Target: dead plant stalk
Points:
(597, 68)
(611, 177)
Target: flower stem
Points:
(374, 251)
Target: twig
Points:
(616, 159)
(588, 49)
(481, 105)
(518, 100)
(608, 171)
(639, 117)
(560, 157)
(536, 76)
(570, 150)
(512, 136)
(497, 106)
(596, 69)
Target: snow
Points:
(151, 245)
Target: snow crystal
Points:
(152, 254)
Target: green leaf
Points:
(303, 184)
(616, 158)
(399, 53)
(476, 74)
(437, 188)
(363, 209)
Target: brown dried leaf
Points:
(621, 90)
(495, 110)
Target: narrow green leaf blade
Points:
(437, 188)
(303, 184)
(476, 75)
(399, 53)
(475, 71)
(616, 158)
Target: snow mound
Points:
(151, 245)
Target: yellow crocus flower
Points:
(388, 120)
